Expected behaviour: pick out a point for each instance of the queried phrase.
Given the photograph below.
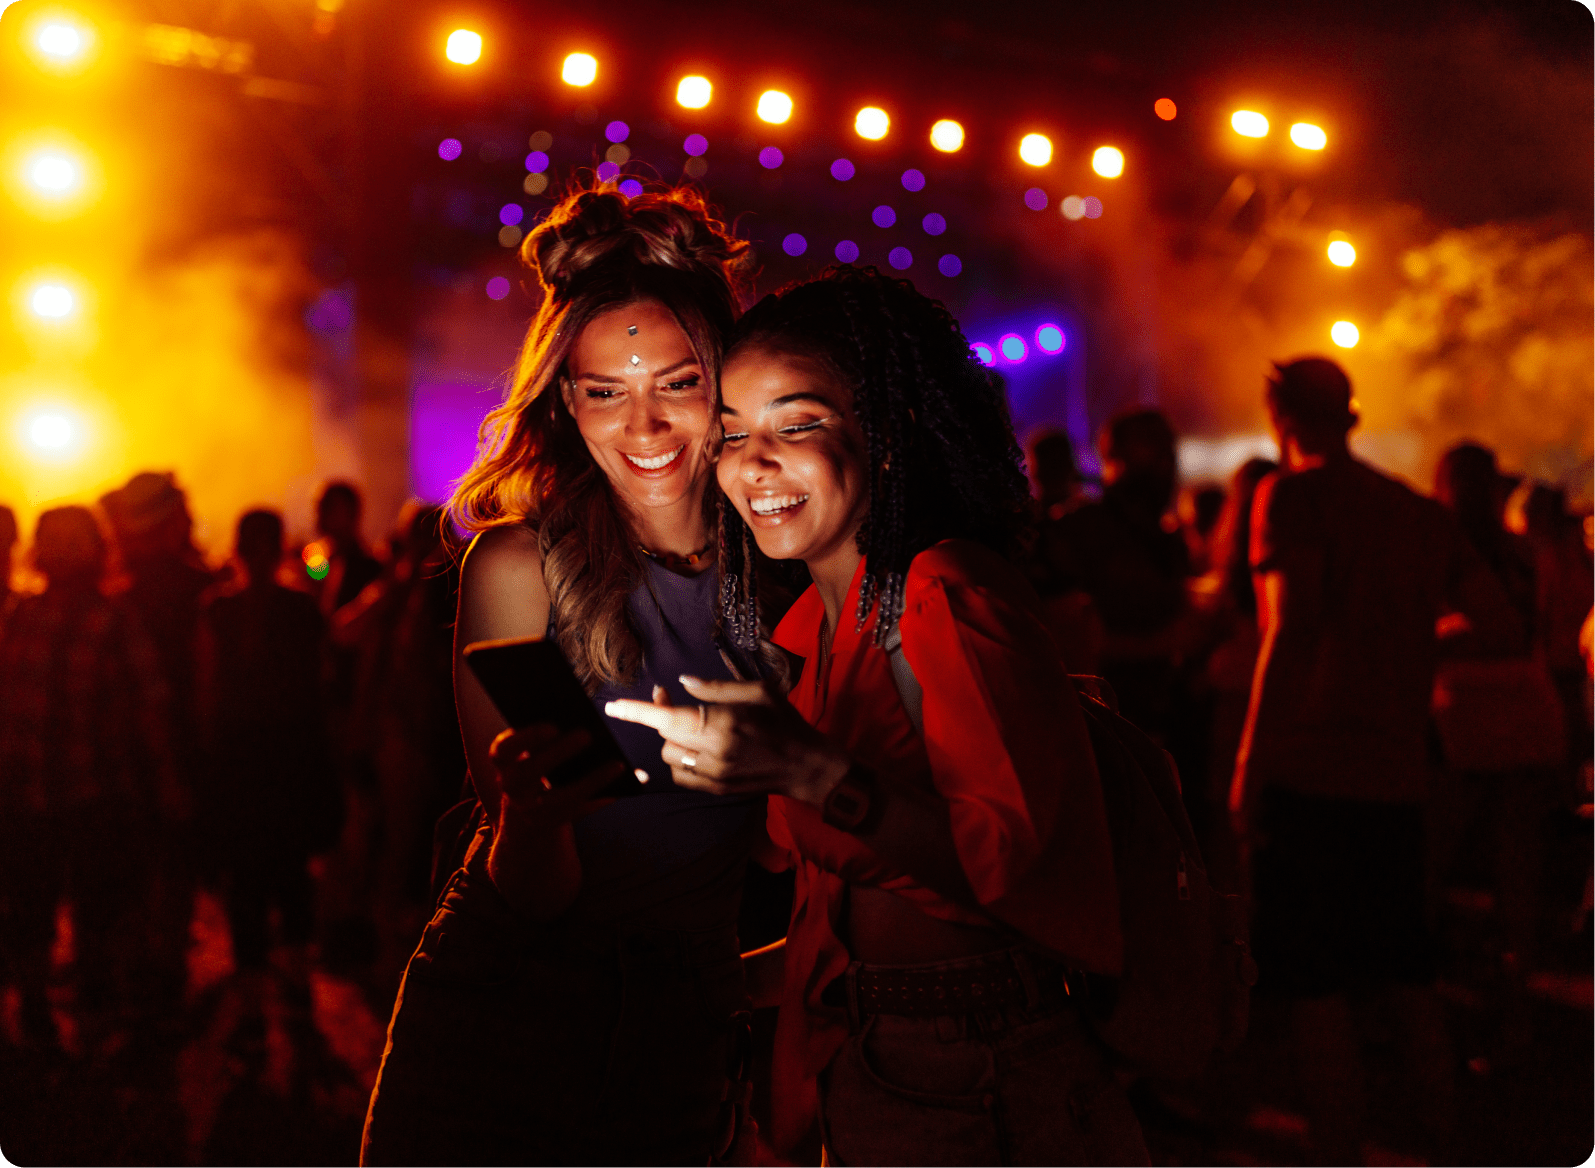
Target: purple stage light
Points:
(449, 149)
(607, 171)
(631, 188)
(1036, 199)
(696, 145)
(1050, 339)
(770, 157)
(983, 353)
(510, 214)
(498, 288)
(842, 170)
(933, 224)
(537, 162)
(847, 251)
(617, 131)
(1093, 207)
(913, 180)
(794, 244)
(883, 216)
(950, 265)
(900, 258)
(1013, 348)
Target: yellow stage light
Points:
(1108, 162)
(1249, 124)
(1036, 149)
(579, 69)
(872, 123)
(1344, 334)
(774, 106)
(54, 172)
(947, 136)
(51, 432)
(464, 47)
(60, 40)
(1342, 254)
(1308, 136)
(694, 91)
(52, 301)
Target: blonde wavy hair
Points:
(595, 251)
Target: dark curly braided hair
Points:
(943, 462)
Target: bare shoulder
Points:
(502, 593)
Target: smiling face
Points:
(641, 401)
(793, 462)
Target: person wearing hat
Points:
(163, 581)
(1353, 570)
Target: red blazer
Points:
(1005, 744)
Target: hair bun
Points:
(590, 229)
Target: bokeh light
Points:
(1050, 339)
(983, 353)
(913, 180)
(511, 213)
(1091, 207)
(449, 149)
(872, 123)
(842, 170)
(509, 235)
(617, 131)
(883, 216)
(794, 244)
(1073, 207)
(950, 265)
(694, 91)
(1165, 108)
(1249, 124)
(1108, 161)
(1341, 253)
(464, 47)
(696, 167)
(537, 162)
(1308, 136)
(53, 172)
(933, 224)
(1036, 199)
(498, 288)
(947, 136)
(52, 301)
(696, 145)
(619, 154)
(1036, 149)
(317, 562)
(774, 107)
(631, 188)
(535, 184)
(771, 157)
(900, 258)
(1344, 334)
(59, 40)
(607, 171)
(579, 69)
(1013, 348)
(540, 140)
(847, 251)
(51, 431)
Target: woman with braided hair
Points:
(932, 777)
(578, 997)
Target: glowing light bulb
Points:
(1344, 334)
(947, 136)
(579, 69)
(1036, 149)
(59, 40)
(694, 92)
(51, 432)
(1308, 136)
(872, 123)
(52, 301)
(53, 173)
(1249, 124)
(1108, 162)
(1342, 254)
(464, 47)
(775, 107)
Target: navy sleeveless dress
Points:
(613, 1034)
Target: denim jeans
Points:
(514, 1045)
(1013, 1086)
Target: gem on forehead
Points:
(631, 330)
(636, 360)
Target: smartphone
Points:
(530, 681)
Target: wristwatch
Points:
(854, 804)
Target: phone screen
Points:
(530, 681)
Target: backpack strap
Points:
(908, 687)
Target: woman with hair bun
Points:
(933, 778)
(578, 996)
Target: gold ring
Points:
(689, 761)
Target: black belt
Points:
(1011, 978)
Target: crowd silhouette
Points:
(220, 772)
